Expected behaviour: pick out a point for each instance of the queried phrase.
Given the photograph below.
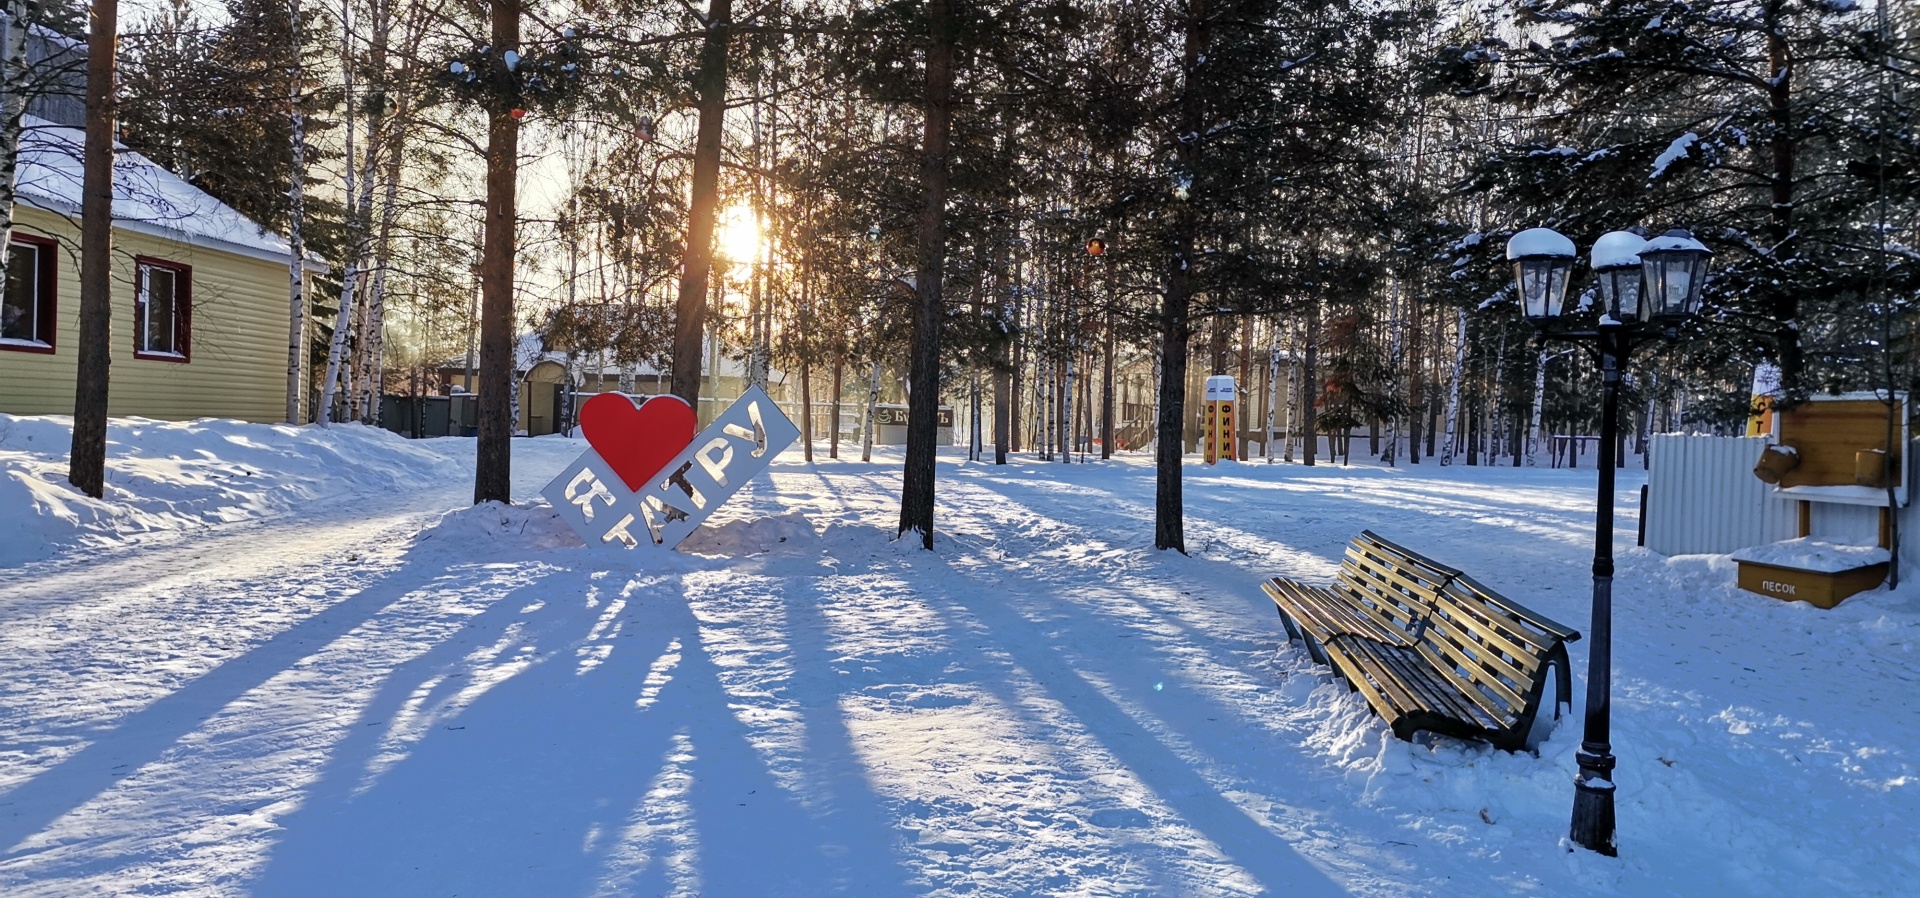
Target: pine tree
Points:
(1729, 117)
(1258, 174)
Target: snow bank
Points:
(1809, 554)
(786, 532)
(172, 476)
(496, 526)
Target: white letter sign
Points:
(674, 501)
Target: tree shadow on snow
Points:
(146, 735)
(611, 763)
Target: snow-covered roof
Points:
(147, 199)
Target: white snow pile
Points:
(533, 526)
(1810, 554)
(787, 532)
(173, 476)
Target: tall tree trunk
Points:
(806, 408)
(1453, 390)
(1169, 505)
(833, 413)
(1169, 525)
(696, 261)
(873, 407)
(1539, 400)
(1064, 406)
(87, 460)
(1273, 392)
(296, 223)
(1002, 413)
(923, 404)
(1106, 379)
(359, 193)
(1310, 389)
(376, 346)
(1015, 377)
(1295, 376)
(975, 441)
(471, 382)
(806, 361)
(493, 452)
(1243, 391)
(1003, 389)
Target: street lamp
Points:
(1641, 282)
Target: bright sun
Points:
(739, 234)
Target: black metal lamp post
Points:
(1641, 282)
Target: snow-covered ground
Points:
(286, 661)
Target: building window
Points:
(27, 319)
(162, 310)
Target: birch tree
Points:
(296, 219)
(358, 182)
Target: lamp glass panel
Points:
(1629, 305)
(1621, 295)
(1701, 263)
(1543, 285)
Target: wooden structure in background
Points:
(1829, 434)
(1845, 450)
(1819, 588)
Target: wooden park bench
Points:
(1430, 648)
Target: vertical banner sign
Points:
(619, 495)
(1217, 419)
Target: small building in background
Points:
(199, 306)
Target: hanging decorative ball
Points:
(1096, 247)
(516, 113)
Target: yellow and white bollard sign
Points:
(1766, 385)
(1217, 419)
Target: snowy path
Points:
(373, 699)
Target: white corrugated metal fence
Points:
(1702, 497)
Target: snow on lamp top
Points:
(1676, 239)
(1539, 242)
(1617, 249)
(1616, 260)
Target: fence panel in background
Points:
(1702, 497)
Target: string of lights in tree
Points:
(543, 76)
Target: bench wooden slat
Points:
(1374, 572)
(1409, 685)
(1494, 697)
(1399, 602)
(1551, 631)
(1326, 613)
(1488, 660)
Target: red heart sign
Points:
(637, 441)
